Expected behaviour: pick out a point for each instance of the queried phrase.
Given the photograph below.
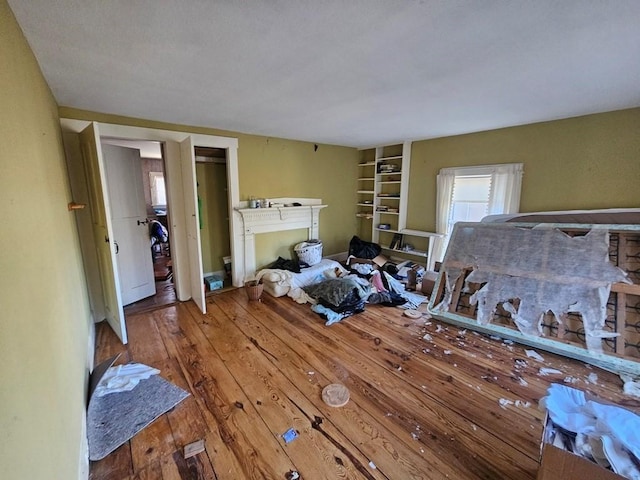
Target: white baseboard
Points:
(83, 463)
(338, 257)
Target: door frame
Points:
(175, 192)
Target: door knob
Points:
(146, 220)
(117, 247)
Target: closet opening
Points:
(213, 213)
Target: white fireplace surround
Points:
(273, 219)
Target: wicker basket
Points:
(309, 252)
(253, 289)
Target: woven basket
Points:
(253, 289)
(309, 252)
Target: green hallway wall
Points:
(45, 322)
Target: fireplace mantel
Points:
(276, 219)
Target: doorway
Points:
(151, 268)
(95, 229)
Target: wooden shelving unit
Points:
(386, 204)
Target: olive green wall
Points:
(274, 167)
(45, 321)
(214, 234)
(578, 163)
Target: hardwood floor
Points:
(418, 409)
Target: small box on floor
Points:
(213, 282)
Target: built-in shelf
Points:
(390, 191)
(416, 253)
(366, 179)
(365, 204)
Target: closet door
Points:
(188, 159)
(102, 228)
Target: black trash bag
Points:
(363, 249)
(283, 264)
(350, 305)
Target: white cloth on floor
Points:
(123, 378)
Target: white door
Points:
(102, 229)
(129, 220)
(188, 159)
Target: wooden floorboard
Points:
(420, 407)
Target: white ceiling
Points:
(356, 72)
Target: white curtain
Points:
(506, 182)
(444, 195)
(504, 196)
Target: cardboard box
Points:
(213, 282)
(556, 463)
(559, 464)
(380, 260)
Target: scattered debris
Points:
(427, 337)
(593, 378)
(523, 382)
(462, 332)
(504, 402)
(489, 355)
(535, 355)
(292, 475)
(439, 328)
(495, 337)
(239, 405)
(506, 341)
(447, 352)
(544, 371)
(290, 435)
(520, 403)
(311, 373)
(631, 385)
(193, 449)
(427, 323)
(415, 436)
(372, 465)
(473, 425)
(520, 363)
(570, 379)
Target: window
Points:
(158, 191)
(467, 194)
